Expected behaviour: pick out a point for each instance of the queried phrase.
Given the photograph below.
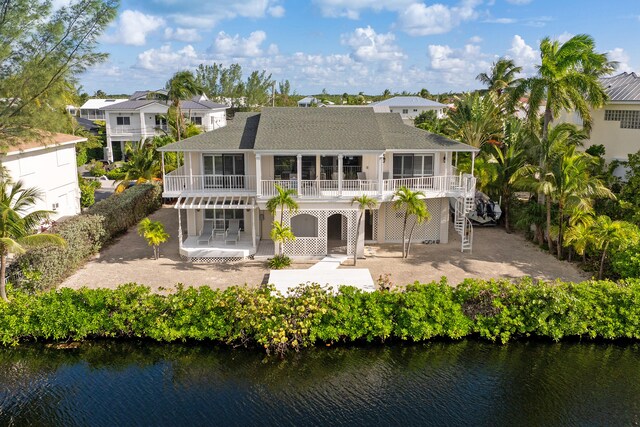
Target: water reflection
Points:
(467, 382)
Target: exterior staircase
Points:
(462, 224)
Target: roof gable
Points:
(409, 101)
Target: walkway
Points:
(325, 272)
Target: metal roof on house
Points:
(238, 134)
(317, 129)
(131, 105)
(408, 101)
(201, 105)
(94, 104)
(622, 87)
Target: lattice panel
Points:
(315, 246)
(374, 218)
(197, 259)
(426, 231)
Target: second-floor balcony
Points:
(180, 183)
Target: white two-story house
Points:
(144, 116)
(327, 156)
(91, 110)
(48, 164)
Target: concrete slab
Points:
(330, 262)
(358, 277)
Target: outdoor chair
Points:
(233, 232)
(207, 233)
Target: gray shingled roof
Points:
(408, 101)
(317, 129)
(623, 87)
(239, 134)
(200, 105)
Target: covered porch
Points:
(217, 228)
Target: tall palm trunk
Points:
(3, 279)
(404, 231)
(178, 119)
(548, 118)
(409, 241)
(355, 252)
(560, 223)
(604, 255)
(548, 206)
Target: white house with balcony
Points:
(144, 116)
(91, 110)
(327, 156)
(48, 164)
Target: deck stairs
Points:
(462, 224)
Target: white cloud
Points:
(475, 39)
(565, 37)
(236, 46)
(165, 58)
(188, 35)
(276, 11)
(619, 55)
(352, 8)
(500, 21)
(519, 2)
(367, 45)
(523, 55)
(458, 67)
(132, 28)
(207, 14)
(421, 20)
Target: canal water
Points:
(439, 383)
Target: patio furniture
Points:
(207, 233)
(219, 232)
(232, 234)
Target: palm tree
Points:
(421, 215)
(606, 233)
(154, 233)
(142, 163)
(567, 79)
(502, 77)
(364, 202)
(475, 119)
(281, 235)
(18, 224)
(412, 204)
(183, 85)
(283, 199)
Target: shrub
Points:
(88, 192)
(626, 263)
(85, 235)
(116, 174)
(261, 317)
(279, 262)
(96, 168)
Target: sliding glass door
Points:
(412, 165)
(223, 170)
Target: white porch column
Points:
(299, 174)
(473, 162)
(143, 126)
(162, 163)
(447, 156)
(380, 173)
(258, 175)
(179, 229)
(318, 167)
(253, 227)
(340, 174)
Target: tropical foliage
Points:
(284, 199)
(154, 233)
(412, 203)
(364, 202)
(18, 224)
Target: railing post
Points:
(258, 175)
(299, 174)
(380, 173)
(340, 174)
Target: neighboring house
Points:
(72, 110)
(328, 156)
(144, 116)
(310, 101)
(616, 126)
(409, 107)
(49, 165)
(90, 110)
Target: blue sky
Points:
(352, 45)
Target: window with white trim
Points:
(405, 111)
(123, 121)
(221, 217)
(196, 120)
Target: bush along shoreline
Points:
(41, 268)
(498, 311)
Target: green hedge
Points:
(85, 234)
(495, 310)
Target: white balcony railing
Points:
(121, 129)
(174, 183)
(177, 182)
